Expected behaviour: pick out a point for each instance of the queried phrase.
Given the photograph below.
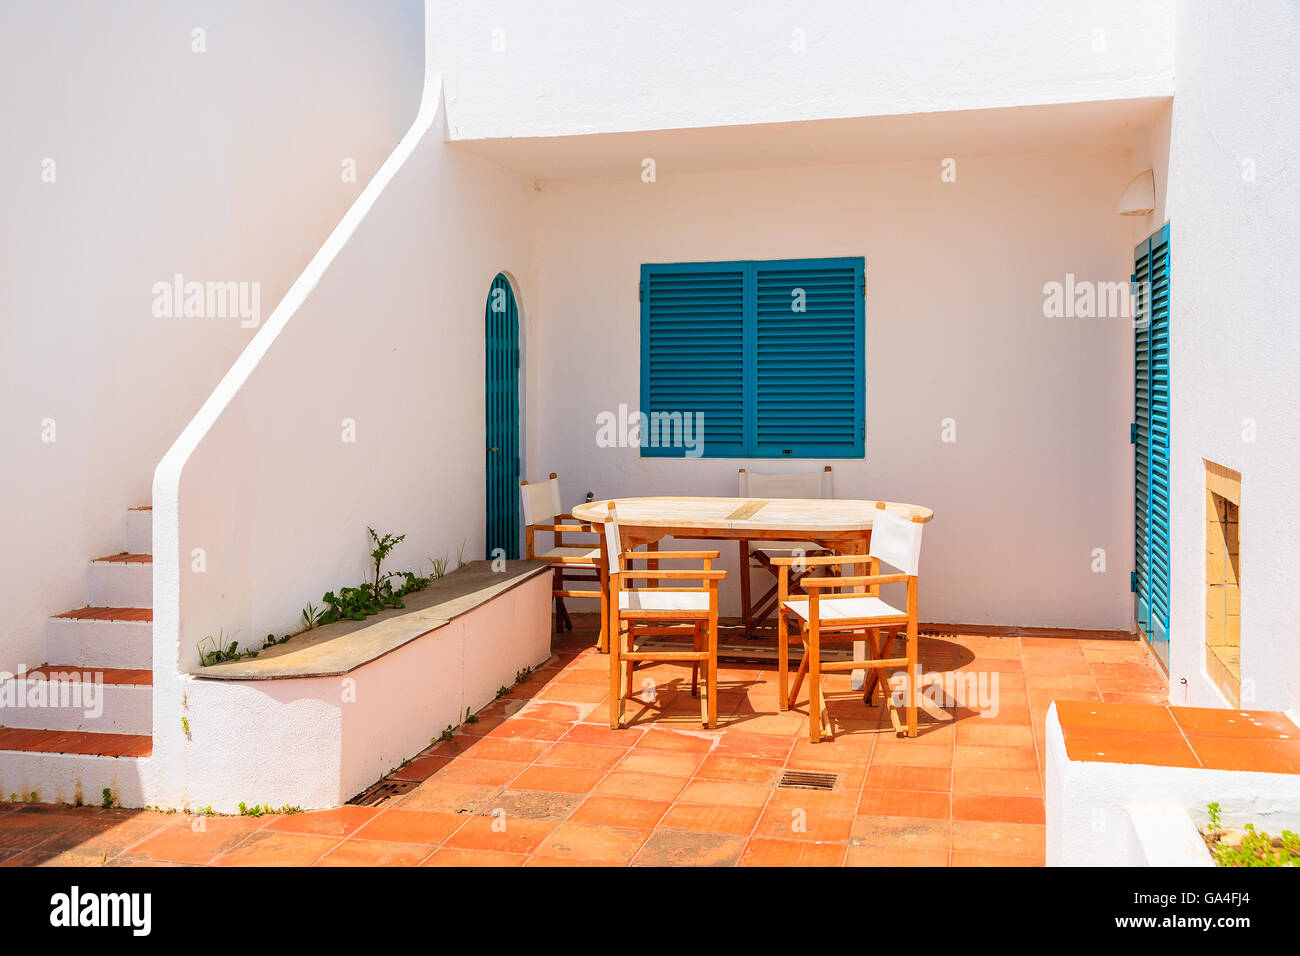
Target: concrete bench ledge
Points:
(339, 648)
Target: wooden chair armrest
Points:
(676, 574)
(566, 528)
(828, 560)
(861, 580)
(668, 555)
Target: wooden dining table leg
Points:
(602, 572)
(858, 678)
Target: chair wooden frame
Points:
(881, 632)
(626, 624)
(754, 613)
(565, 568)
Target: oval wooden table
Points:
(840, 525)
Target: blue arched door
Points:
(501, 325)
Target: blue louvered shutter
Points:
(1151, 440)
(693, 356)
(808, 348)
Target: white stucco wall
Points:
(1040, 473)
(517, 68)
(1234, 338)
(223, 165)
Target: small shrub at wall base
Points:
(1248, 847)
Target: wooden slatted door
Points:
(1150, 436)
(501, 325)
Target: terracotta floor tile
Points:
(996, 758)
(455, 856)
(976, 733)
(841, 800)
(585, 841)
(1124, 746)
(964, 858)
(804, 823)
(1214, 722)
(421, 768)
(561, 779)
(684, 848)
(896, 831)
(996, 808)
(368, 853)
(620, 811)
(746, 769)
(642, 786)
(765, 852)
(895, 856)
(196, 841)
(588, 756)
(661, 762)
(1011, 839)
(602, 736)
(732, 793)
(527, 728)
(711, 819)
(905, 803)
(908, 778)
(338, 822)
(500, 835)
(1244, 753)
(410, 826)
(265, 848)
(506, 749)
(656, 739)
(1022, 783)
(465, 770)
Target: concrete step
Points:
(101, 637)
(107, 700)
(139, 530)
(53, 766)
(122, 580)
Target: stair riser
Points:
(139, 532)
(63, 778)
(106, 708)
(121, 584)
(99, 643)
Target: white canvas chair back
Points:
(811, 484)
(896, 541)
(541, 501)
(613, 540)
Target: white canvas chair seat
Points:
(591, 555)
(660, 599)
(845, 609)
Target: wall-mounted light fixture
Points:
(1139, 197)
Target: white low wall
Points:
(317, 742)
(1101, 814)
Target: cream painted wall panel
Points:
(516, 68)
(1040, 474)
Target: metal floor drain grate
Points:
(808, 780)
(381, 791)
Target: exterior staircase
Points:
(82, 723)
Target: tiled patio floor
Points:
(541, 780)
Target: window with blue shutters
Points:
(1150, 436)
(763, 358)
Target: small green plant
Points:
(448, 733)
(185, 726)
(310, 616)
(258, 810)
(1254, 848)
(523, 674)
(34, 797)
(460, 556)
(439, 568)
(384, 544)
(221, 648)
(205, 812)
(470, 718)
(272, 640)
(502, 691)
(107, 803)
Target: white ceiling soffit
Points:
(1109, 124)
